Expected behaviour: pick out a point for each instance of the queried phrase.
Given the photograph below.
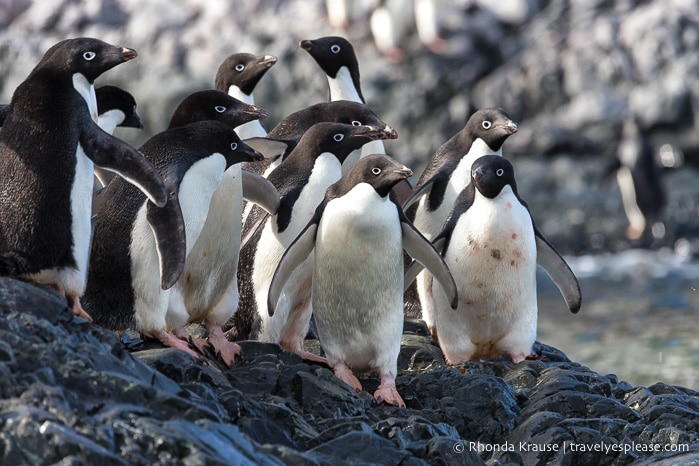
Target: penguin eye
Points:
(499, 172)
(89, 56)
(335, 48)
(234, 145)
(339, 137)
(356, 123)
(220, 108)
(376, 170)
(486, 124)
(239, 67)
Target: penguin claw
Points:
(224, 349)
(388, 393)
(345, 374)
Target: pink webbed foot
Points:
(521, 357)
(172, 341)
(226, 350)
(73, 300)
(345, 374)
(296, 346)
(388, 393)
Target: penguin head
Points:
(491, 173)
(332, 53)
(492, 125)
(112, 98)
(358, 114)
(380, 171)
(215, 137)
(242, 70)
(217, 106)
(339, 139)
(241, 152)
(85, 55)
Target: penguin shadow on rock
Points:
(357, 235)
(492, 247)
(447, 173)
(49, 145)
(143, 256)
(301, 179)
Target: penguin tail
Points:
(13, 265)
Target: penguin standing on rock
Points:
(446, 175)
(301, 180)
(492, 247)
(139, 249)
(49, 144)
(358, 234)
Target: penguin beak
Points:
(307, 45)
(510, 128)
(268, 61)
(371, 132)
(256, 112)
(477, 174)
(391, 133)
(128, 54)
(405, 172)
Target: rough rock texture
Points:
(568, 71)
(71, 394)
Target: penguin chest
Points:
(492, 256)
(195, 192)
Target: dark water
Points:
(639, 319)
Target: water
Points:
(639, 317)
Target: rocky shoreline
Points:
(73, 394)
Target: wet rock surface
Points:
(73, 394)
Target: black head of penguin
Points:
(378, 170)
(85, 55)
(492, 125)
(214, 105)
(339, 139)
(332, 53)
(491, 173)
(111, 98)
(242, 70)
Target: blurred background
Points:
(603, 91)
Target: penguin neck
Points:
(110, 119)
(251, 129)
(342, 87)
(86, 89)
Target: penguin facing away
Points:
(446, 175)
(358, 234)
(139, 249)
(491, 246)
(238, 76)
(336, 57)
(115, 108)
(301, 179)
(49, 143)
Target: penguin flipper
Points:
(167, 224)
(294, 255)
(257, 189)
(414, 269)
(270, 148)
(117, 156)
(424, 252)
(419, 192)
(559, 271)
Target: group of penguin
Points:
(253, 233)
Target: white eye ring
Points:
(220, 108)
(89, 56)
(234, 145)
(335, 48)
(339, 137)
(239, 67)
(356, 123)
(486, 124)
(376, 170)
(499, 172)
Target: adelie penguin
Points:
(237, 76)
(301, 180)
(492, 247)
(445, 176)
(49, 144)
(358, 234)
(115, 108)
(140, 250)
(336, 57)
